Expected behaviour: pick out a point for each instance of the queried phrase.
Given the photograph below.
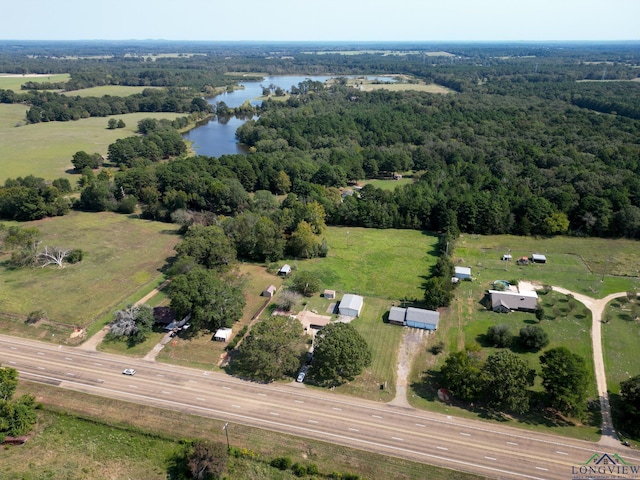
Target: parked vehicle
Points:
(301, 376)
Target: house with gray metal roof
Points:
(506, 301)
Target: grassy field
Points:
(578, 264)
(80, 445)
(112, 90)
(620, 344)
(46, 149)
(387, 264)
(121, 256)
(14, 82)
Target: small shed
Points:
(397, 315)
(351, 305)
(284, 270)
(463, 273)
(507, 257)
(222, 335)
(270, 291)
(420, 318)
(538, 258)
(329, 294)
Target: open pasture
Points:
(46, 149)
(121, 255)
(14, 81)
(592, 266)
(388, 264)
(112, 90)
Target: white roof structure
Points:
(463, 272)
(285, 269)
(397, 314)
(538, 257)
(222, 334)
(351, 305)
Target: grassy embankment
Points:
(573, 263)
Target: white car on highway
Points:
(129, 371)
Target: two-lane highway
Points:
(482, 448)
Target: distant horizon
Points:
(456, 21)
(311, 42)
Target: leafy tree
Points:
(303, 242)
(121, 124)
(306, 283)
(499, 336)
(208, 246)
(82, 160)
(8, 382)
(272, 350)
(565, 378)
(112, 124)
(340, 354)
(210, 301)
(533, 337)
(461, 374)
(630, 402)
(438, 292)
(507, 379)
(17, 417)
(207, 460)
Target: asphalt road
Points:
(486, 449)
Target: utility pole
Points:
(226, 431)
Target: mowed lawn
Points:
(46, 149)
(121, 255)
(388, 264)
(620, 337)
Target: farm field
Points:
(112, 90)
(386, 264)
(14, 82)
(578, 264)
(46, 149)
(121, 256)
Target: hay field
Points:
(13, 82)
(46, 149)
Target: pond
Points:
(218, 136)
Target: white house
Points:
(463, 273)
(351, 305)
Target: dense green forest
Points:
(531, 142)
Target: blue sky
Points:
(324, 20)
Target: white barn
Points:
(351, 305)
